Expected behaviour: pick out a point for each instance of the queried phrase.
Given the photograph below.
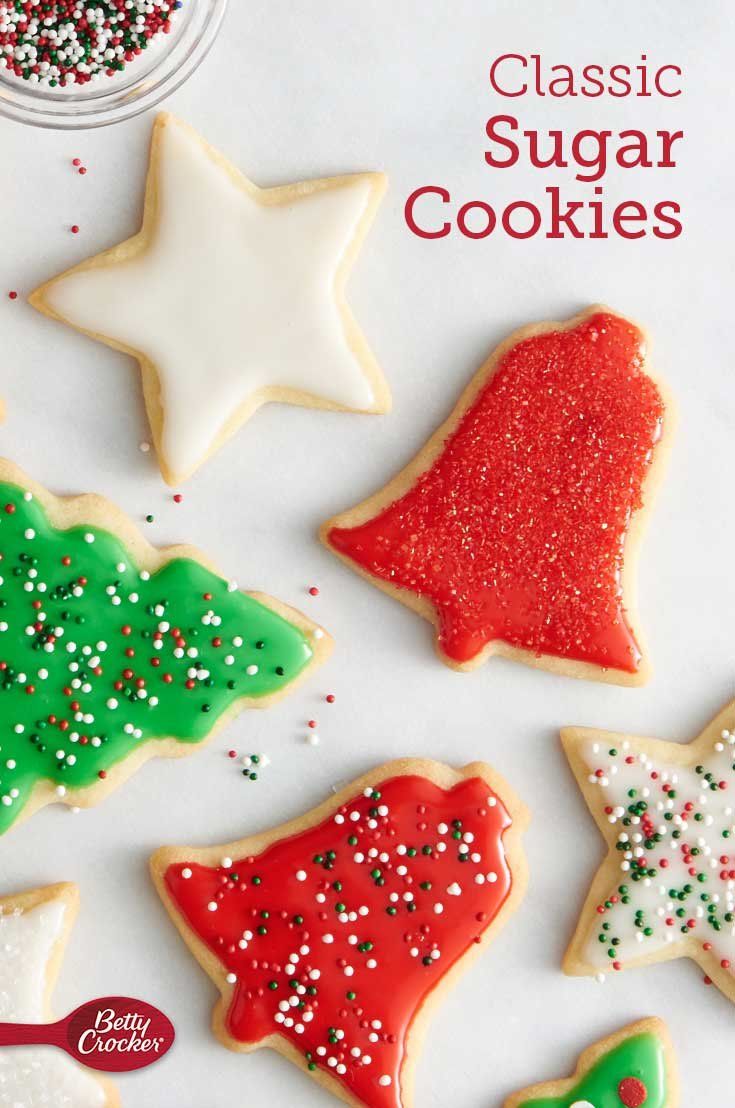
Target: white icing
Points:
(231, 297)
(36, 1077)
(651, 894)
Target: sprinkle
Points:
(65, 44)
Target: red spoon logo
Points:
(114, 1034)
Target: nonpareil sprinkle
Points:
(66, 42)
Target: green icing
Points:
(59, 661)
(640, 1056)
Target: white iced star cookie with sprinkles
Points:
(331, 937)
(112, 652)
(229, 296)
(34, 927)
(667, 887)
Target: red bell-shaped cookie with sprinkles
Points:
(512, 530)
(328, 936)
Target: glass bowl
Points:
(156, 73)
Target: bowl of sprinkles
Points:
(70, 64)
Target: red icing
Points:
(632, 1092)
(394, 990)
(516, 531)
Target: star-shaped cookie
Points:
(634, 1068)
(667, 887)
(34, 928)
(331, 937)
(514, 529)
(229, 296)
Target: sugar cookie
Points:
(667, 887)
(634, 1068)
(229, 296)
(513, 529)
(112, 651)
(331, 937)
(34, 928)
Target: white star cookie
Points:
(34, 927)
(229, 296)
(667, 887)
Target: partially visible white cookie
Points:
(34, 927)
(229, 296)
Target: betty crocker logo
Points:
(114, 1034)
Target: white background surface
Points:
(299, 88)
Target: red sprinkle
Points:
(313, 591)
(75, 228)
(632, 1092)
(12, 295)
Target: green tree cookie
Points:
(99, 657)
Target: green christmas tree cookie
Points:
(111, 651)
(631, 1069)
